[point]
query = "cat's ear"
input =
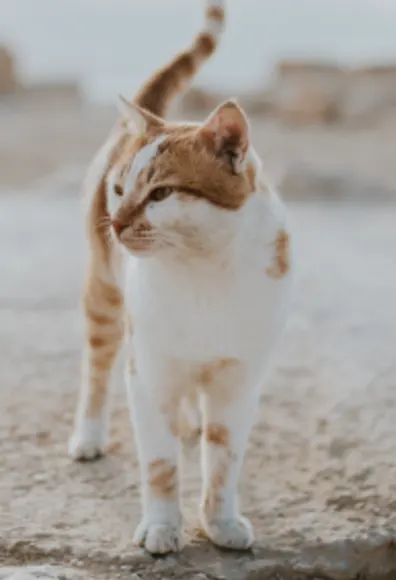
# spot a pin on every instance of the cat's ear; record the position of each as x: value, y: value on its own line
x: 228, y: 130
x: 138, y: 120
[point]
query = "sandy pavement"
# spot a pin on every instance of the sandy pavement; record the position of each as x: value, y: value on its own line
x: 320, y: 475
x: 319, y: 482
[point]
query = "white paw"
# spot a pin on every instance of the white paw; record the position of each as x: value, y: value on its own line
x: 235, y: 534
x: 159, y: 538
x: 88, y: 441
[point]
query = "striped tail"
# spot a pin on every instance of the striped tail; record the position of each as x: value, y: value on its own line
x: 166, y: 83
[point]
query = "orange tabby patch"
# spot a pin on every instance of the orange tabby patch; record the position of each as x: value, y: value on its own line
x: 217, y: 435
x: 215, y: 13
x: 210, y: 371
x: 160, y: 89
x: 221, y: 378
x: 162, y: 478
x: 97, y: 397
x: 213, y: 499
x: 112, y: 295
x: 102, y: 361
x: 281, y: 261
x: 187, y: 433
x: 101, y: 319
x: 103, y: 307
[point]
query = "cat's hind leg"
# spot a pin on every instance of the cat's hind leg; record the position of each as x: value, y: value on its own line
x: 104, y: 318
x: 103, y: 335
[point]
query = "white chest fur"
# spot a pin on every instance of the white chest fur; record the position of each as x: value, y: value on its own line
x: 229, y: 308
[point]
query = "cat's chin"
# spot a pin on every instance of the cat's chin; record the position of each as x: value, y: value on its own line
x: 141, y: 250
x: 141, y: 253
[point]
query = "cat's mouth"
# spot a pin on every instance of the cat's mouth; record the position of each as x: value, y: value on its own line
x: 139, y: 244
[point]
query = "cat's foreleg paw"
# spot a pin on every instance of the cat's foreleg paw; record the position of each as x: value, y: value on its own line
x: 159, y: 538
x: 233, y: 533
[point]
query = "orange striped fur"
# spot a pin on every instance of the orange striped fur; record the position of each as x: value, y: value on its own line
x: 103, y: 295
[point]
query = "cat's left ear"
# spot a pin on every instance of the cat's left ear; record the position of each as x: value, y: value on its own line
x: 228, y: 129
x: 138, y: 120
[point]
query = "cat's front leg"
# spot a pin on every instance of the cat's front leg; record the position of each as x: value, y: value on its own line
x: 160, y: 530
x: 227, y: 424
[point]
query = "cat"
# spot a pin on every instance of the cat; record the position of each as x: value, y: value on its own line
x: 189, y: 269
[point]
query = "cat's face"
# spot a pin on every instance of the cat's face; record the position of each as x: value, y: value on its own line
x: 181, y: 188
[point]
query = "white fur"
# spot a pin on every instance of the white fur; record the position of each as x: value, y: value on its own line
x: 136, y: 122
x: 232, y: 298
x: 160, y: 527
x: 189, y: 309
x: 89, y: 438
x: 142, y: 159
x: 113, y: 200
x: 241, y: 164
x: 214, y: 27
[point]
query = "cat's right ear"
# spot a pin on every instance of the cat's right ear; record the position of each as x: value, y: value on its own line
x: 138, y: 120
x: 227, y: 128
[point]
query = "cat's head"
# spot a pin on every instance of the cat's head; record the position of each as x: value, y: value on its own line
x: 181, y: 188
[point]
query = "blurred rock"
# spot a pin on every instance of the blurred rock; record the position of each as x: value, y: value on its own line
x: 310, y: 105
x: 300, y: 182
x: 64, y: 180
x: 199, y: 100
x: 8, y: 81
x: 369, y: 93
x: 257, y: 103
x: 308, y: 92
x: 53, y: 93
x: 304, y: 92
x: 292, y: 75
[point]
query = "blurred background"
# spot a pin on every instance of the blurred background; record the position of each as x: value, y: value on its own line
x: 318, y: 81
x: 320, y: 68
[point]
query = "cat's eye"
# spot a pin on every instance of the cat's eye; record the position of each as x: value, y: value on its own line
x: 118, y: 189
x: 160, y: 193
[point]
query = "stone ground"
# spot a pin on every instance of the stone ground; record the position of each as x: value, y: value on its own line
x: 319, y: 482
x: 320, y: 476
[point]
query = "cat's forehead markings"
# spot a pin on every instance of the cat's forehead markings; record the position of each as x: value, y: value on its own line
x: 142, y: 159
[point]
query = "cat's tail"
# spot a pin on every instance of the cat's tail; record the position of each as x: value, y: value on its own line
x: 166, y: 83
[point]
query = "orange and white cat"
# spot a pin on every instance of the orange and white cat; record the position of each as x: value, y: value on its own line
x: 188, y: 266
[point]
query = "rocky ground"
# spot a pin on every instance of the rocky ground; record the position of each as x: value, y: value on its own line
x: 320, y: 476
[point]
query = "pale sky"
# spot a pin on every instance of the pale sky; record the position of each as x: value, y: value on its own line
x: 118, y: 42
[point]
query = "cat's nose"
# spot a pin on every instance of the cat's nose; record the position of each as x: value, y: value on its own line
x: 118, y: 227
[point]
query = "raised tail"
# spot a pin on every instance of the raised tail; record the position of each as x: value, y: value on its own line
x: 166, y: 83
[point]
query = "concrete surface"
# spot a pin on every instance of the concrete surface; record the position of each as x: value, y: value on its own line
x: 320, y: 475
